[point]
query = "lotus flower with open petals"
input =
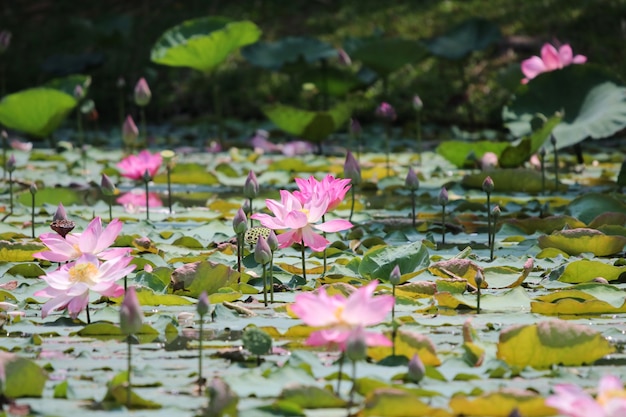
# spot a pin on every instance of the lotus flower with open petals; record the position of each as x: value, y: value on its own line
x: 134, y: 166
x: 551, y: 59
x: 334, y: 188
x: 572, y: 401
x: 338, y: 316
x: 93, y: 240
x: 69, y: 286
x: 301, y: 219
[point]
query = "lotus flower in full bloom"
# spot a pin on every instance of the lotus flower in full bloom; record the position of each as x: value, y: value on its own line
x: 572, y: 401
x: 94, y: 240
x: 135, y: 166
x: 69, y: 286
x: 338, y: 316
x: 551, y: 59
x: 137, y: 198
x: 334, y: 188
x: 301, y: 218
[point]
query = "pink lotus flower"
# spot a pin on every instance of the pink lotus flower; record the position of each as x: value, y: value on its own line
x: 338, y: 316
x: 134, y: 166
x: 69, y: 285
x: 334, y: 188
x: 572, y: 401
x: 137, y: 198
x: 93, y: 241
x: 551, y: 59
x: 301, y: 218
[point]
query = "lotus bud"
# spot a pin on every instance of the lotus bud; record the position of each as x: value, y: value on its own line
x: 411, y: 181
x: 495, y: 212
x: 351, y: 169
x: 121, y: 82
x: 488, y: 161
x: 251, y: 186
x: 222, y: 400
x: 60, y: 223
x: 553, y: 140
x: 272, y: 241
x: 479, y: 279
x: 356, y: 346
x: 344, y: 58
x: 79, y: 93
x: 33, y: 188
x: 488, y: 185
x: 11, y: 163
x: 443, y: 196
x: 60, y: 214
x: 131, y: 316
x: 542, y: 152
x: 203, y: 304
x: 130, y: 132
x: 107, y: 186
x: 417, y: 103
x: 142, y: 93
x: 386, y: 111
x: 5, y: 40
x: 355, y: 127
x: 262, y: 251
x: 146, y: 176
x: 395, y: 275
x: 417, y: 370
x: 240, y: 222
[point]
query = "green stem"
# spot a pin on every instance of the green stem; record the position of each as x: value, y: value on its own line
x: 352, y: 204
x: 147, y: 201
x: 478, y: 300
x: 87, y: 311
x: 250, y: 212
x: 201, y: 336
x: 489, y: 219
x: 110, y: 200
x: 342, y: 359
x: 32, y: 215
x: 393, y: 322
x: 443, y: 224
x: 324, y: 234
x: 129, y: 386
x: 543, y: 174
x: 353, y: 389
x: 10, y: 192
x: 169, y: 187
x: 413, y: 207
x: 264, y: 285
x: 418, y: 123
x: 239, y: 250
x: 271, y: 278
x: 303, y: 260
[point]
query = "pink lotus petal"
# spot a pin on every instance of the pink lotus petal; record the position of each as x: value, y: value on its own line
x: 335, y: 225
x: 313, y: 240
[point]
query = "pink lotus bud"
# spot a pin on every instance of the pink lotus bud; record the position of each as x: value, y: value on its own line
x: 5, y: 40
x: 272, y: 241
x: 129, y: 131
x: 107, y: 186
x: 488, y: 185
x: 394, y: 277
x: 386, y: 111
x: 351, y: 169
x: 251, y: 186
x: 417, y: 103
x: 355, y: 127
x: 142, y: 93
x: 60, y: 214
x: 488, y: 161
x: 60, y: 222
x: 443, y: 196
x: 479, y: 279
x: 131, y: 316
x: 411, y: 181
x: 356, y: 346
x: 496, y: 212
x: 262, y: 251
x: 344, y: 58
x: 11, y: 163
x: 203, y: 304
x: 33, y: 188
x: 79, y: 92
x: 417, y: 370
x: 240, y: 222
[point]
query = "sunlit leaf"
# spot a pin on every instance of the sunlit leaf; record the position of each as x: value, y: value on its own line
x: 407, y: 344
x: 581, y: 240
x: 550, y: 343
x: 586, y: 270
x: 514, y: 300
x: 23, y: 377
x: 311, y: 397
x: 310, y: 125
x: 391, y: 402
x: 195, y: 278
x: 18, y: 251
x: 458, y: 269
x: 501, y: 404
x: 457, y: 151
x: 378, y: 263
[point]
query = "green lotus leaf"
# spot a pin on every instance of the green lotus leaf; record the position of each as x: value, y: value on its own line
x: 515, y: 155
x: 511, y: 179
x: 306, y: 124
x: 68, y: 84
x: 593, y: 103
x: 581, y: 240
x: 22, y: 377
x: 545, y: 224
x: 194, y: 278
x: 589, y: 206
x: 203, y: 43
x: 307, y: 396
x: 289, y: 50
x: 377, y: 263
x: 515, y: 299
x: 550, y: 343
x: 385, y: 56
x: 457, y: 151
x: 586, y: 270
x: 393, y: 402
x: 501, y: 404
x: 474, y: 34
x: 36, y: 111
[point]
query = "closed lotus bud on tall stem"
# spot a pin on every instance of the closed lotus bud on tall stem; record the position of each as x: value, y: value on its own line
x: 263, y: 255
x: 202, y: 308
x: 142, y: 98
x: 413, y: 184
x: 495, y: 214
x: 443, y: 201
x: 352, y: 171
x: 130, y: 133
x: 479, y: 282
x: 10, y: 168
x: 108, y: 190
x: 488, y: 187
x: 250, y: 191
x: 418, y: 106
x: 131, y: 321
x: 240, y: 225
x: 168, y: 158
x: 146, y: 180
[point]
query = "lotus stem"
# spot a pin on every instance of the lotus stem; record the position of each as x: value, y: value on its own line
x: 146, y: 182
x: 488, y: 219
x: 418, y: 123
x: 443, y: 224
x: 342, y: 359
x: 387, y: 146
x: 10, y: 192
x: 250, y: 212
x: 351, y: 204
x: 303, y: 260
x: 88, y: 316
x: 129, y: 386
x: 200, y: 337
x: 169, y: 187
x: 240, y: 237
x: 264, y: 285
x: 556, y: 164
x: 353, y: 389
x: 271, y: 278
x: 394, y: 330
x: 478, y: 294
x: 324, y: 234
x: 413, y: 207
x: 32, y: 214
x: 110, y: 201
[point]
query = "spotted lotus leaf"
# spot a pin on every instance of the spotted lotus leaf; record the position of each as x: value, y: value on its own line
x: 252, y: 234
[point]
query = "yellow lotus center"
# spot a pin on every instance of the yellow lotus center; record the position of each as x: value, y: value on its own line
x: 607, y: 396
x: 338, y: 313
x: 83, y: 273
x: 305, y: 211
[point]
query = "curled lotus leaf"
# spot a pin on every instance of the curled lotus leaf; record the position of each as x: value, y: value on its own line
x: 581, y: 240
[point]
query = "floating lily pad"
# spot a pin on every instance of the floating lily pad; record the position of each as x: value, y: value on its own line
x: 511, y: 180
x: 586, y: 270
x: 36, y: 111
x: 392, y: 402
x: 385, y: 56
x: 590, y: 298
x: 377, y: 263
x: 289, y: 50
x: 551, y: 343
x: 203, y: 43
x: 474, y: 34
x: 501, y: 404
x: 581, y: 240
x: 310, y: 125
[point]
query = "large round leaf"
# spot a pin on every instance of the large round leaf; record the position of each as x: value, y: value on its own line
x: 310, y: 125
x: 333, y: 81
x: 289, y: 50
x: 388, y: 55
x: 68, y: 84
x: 594, y: 105
x: 37, y: 111
x: 471, y: 35
x: 203, y: 43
